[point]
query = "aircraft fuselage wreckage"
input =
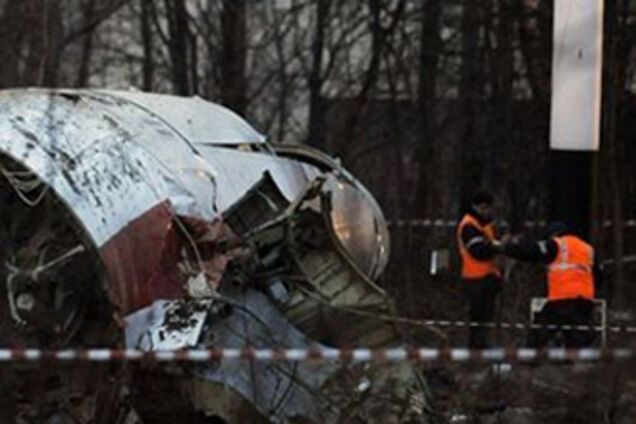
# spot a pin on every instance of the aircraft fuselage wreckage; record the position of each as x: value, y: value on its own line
x: 160, y: 223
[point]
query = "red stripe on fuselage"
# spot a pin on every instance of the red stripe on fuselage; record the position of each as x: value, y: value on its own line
x: 141, y: 260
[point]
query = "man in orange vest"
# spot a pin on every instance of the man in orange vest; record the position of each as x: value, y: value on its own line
x: 573, y: 272
x: 481, y: 278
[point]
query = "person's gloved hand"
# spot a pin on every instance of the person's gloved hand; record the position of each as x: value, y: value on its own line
x: 497, y: 245
x: 506, y: 240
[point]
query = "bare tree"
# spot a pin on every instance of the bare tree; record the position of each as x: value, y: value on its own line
x: 87, y: 46
x: 181, y: 49
x: 317, y: 104
x: 147, y: 38
x: 429, y: 145
x: 234, y: 51
x: 11, y: 42
x: 470, y: 94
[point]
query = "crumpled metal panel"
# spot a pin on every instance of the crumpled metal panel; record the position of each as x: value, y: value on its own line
x: 110, y: 160
x: 238, y: 171
x: 278, y: 389
x: 197, y: 120
x: 167, y: 325
x: 188, y: 178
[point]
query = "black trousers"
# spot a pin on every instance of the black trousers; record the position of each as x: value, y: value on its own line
x: 482, y: 301
x: 575, y: 312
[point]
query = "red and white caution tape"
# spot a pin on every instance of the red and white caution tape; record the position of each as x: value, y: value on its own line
x: 317, y: 355
x: 422, y: 223
x: 523, y: 326
x: 453, y: 223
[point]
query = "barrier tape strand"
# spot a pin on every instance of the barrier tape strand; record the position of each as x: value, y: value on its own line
x: 453, y: 223
x: 525, y: 326
x: 317, y: 355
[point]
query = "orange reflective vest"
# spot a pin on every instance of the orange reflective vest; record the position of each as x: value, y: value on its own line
x: 570, y: 274
x: 471, y: 267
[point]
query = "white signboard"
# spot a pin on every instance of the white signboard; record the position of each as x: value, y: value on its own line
x: 576, y: 75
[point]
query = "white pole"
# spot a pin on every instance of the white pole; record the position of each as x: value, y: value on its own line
x: 576, y: 75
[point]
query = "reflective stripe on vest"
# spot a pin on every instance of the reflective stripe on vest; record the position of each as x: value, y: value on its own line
x: 471, y: 267
x: 570, y: 275
x: 563, y: 267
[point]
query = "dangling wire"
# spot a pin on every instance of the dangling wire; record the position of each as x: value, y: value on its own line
x: 80, y: 248
x: 23, y: 186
